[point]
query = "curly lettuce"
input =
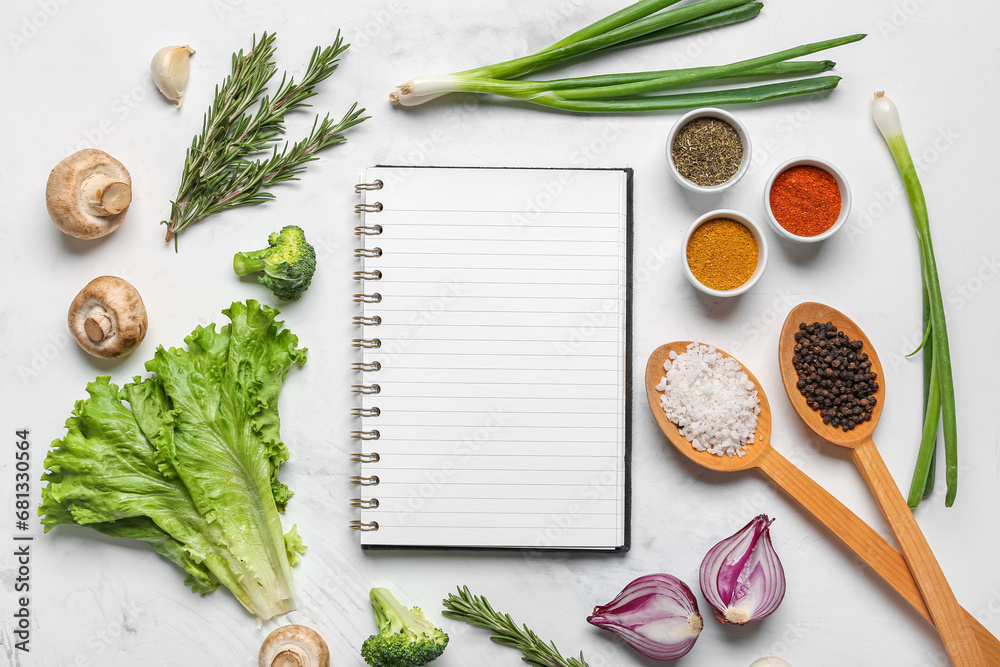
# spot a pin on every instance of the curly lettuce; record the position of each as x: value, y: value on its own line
x: 191, y: 465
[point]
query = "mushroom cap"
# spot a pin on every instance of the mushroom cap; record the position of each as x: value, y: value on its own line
x: 294, y: 646
x: 67, y: 202
x: 108, y: 318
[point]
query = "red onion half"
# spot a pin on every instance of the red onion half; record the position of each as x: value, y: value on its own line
x: 741, y: 577
x: 656, y: 614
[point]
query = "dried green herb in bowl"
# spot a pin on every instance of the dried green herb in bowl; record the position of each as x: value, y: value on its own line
x: 708, y: 150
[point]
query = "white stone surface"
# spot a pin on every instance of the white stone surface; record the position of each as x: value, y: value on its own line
x: 76, y: 74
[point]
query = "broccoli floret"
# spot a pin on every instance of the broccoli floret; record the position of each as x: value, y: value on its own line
x: 405, y: 638
x: 288, y: 263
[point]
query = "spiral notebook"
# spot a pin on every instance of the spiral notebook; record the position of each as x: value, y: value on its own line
x: 493, y: 339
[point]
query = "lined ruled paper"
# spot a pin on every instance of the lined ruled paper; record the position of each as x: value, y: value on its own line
x: 501, y: 382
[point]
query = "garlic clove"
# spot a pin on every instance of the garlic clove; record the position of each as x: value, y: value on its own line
x: 170, y: 69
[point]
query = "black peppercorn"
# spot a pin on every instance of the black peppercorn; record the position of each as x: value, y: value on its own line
x: 835, y: 376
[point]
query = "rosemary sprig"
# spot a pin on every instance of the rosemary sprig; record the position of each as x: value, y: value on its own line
x: 476, y: 610
x: 219, y: 172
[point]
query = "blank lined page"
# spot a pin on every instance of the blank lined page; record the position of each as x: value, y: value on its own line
x: 501, y: 359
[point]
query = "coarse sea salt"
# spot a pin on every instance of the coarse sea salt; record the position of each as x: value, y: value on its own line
x: 711, y: 400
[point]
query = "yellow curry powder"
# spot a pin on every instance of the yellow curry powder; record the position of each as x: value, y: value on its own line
x: 722, y: 254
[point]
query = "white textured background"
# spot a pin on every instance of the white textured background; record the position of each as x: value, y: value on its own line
x: 75, y: 74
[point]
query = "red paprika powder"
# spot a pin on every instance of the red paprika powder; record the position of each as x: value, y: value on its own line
x: 805, y: 200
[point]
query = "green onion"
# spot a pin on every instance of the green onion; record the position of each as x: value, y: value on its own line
x: 929, y: 379
x: 776, y: 70
x: 638, y: 23
x: 940, y: 397
x: 639, y: 28
x: 717, y: 20
x: 633, y: 12
x: 675, y: 78
x: 630, y: 84
x: 749, y: 95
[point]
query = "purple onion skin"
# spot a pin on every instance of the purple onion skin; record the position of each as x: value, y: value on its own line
x: 741, y: 576
x: 660, y: 599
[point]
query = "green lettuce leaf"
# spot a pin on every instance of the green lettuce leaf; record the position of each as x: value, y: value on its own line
x: 192, y: 467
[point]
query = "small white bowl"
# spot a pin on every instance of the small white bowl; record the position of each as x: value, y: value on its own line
x: 758, y: 235
x: 845, y: 198
x: 710, y: 112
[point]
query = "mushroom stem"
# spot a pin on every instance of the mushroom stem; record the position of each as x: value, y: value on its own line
x: 287, y: 658
x: 105, y: 195
x: 107, y: 317
x: 99, y: 326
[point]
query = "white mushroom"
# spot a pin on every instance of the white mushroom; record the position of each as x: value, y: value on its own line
x: 294, y: 646
x: 108, y: 318
x: 88, y: 194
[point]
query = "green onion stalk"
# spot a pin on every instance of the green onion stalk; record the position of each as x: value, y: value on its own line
x: 638, y: 23
x: 939, y: 389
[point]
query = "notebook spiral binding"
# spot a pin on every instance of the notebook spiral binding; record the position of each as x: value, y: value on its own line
x: 366, y: 320
x: 364, y: 525
x: 370, y: 366
x: 374, y: 185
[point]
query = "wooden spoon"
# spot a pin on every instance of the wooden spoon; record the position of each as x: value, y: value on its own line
x: 945, y: 611
x: 857, y: 535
